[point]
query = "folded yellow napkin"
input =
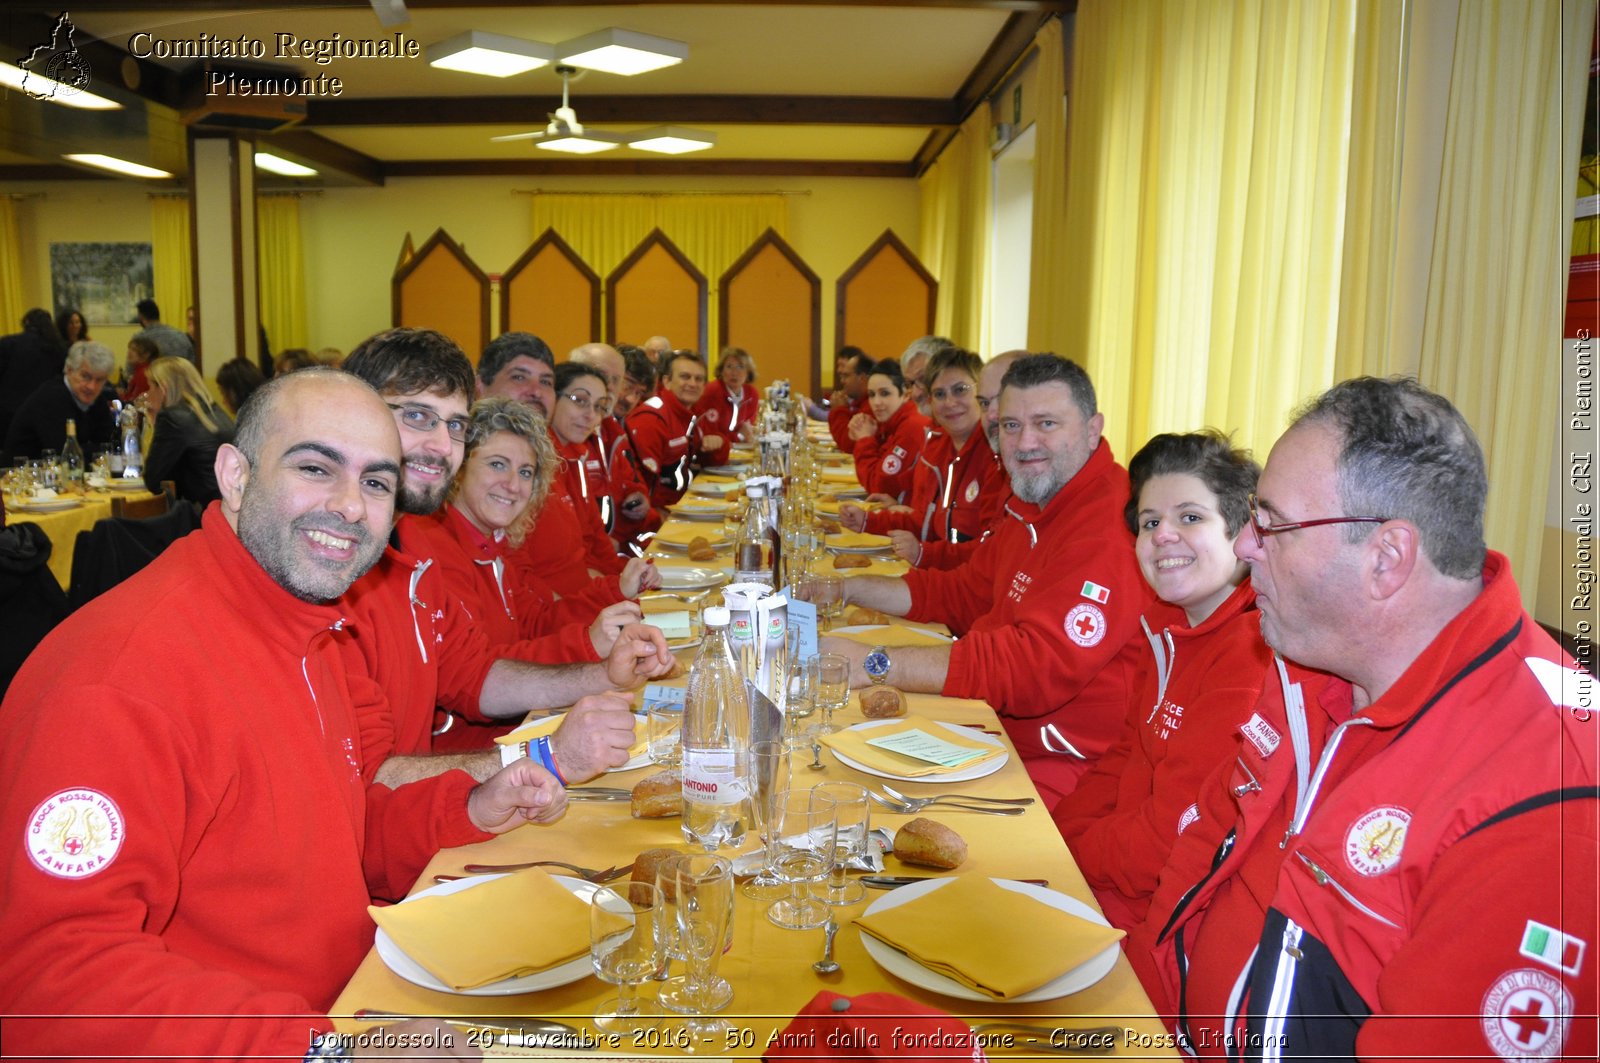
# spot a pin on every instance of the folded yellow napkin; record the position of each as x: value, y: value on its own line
x: 715, y: 478
x: 704, y: 505
x: 505, y: 928
x: 546, y: 725
x: 843, y: 475
x: 830, y: 506
x: 851, y: 540
x: 853, y: 744
x: 892, y: 635
x: 679, y: 532
x: 1008, y: 943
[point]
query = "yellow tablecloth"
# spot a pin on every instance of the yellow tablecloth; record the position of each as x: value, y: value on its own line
x: 63, y: 527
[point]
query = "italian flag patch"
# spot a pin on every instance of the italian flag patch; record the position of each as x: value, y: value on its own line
x: 1095, y: 593
x: 1551, y: 947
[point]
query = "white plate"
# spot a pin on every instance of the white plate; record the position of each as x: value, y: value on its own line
x: 977, y: 771
x: 738, y: 472
x: 729, y: 491
x: 904, y: 967
x: 695, y: 513
x: 674, y: 578
x: 845, y: 493
x: 412, y: 971
x: 886, y: 549
x: 889, y: 630
x: 52, y: 505
x: 722, y: 543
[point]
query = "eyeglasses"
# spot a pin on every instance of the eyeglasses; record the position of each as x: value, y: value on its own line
x: 422, y: 419
x: 1262, y: 529
x: 584, y: 403
x: 957, y: 391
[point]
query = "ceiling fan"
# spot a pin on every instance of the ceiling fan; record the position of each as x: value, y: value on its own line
x: 565, y: 133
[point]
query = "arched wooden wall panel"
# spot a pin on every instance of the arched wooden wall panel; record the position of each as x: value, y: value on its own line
x: 551, y: 292
x: 884, y: 300
x: 442, y: 289
x: 770, y: 303
x: 656, y: 291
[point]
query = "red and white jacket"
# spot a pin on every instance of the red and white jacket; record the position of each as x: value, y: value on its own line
x: 666, y: 439
x: 886, y: 460
x: 839, y: 423
x: 1199, y: 684
x: 612, y: 465
x: 721, y: 416
x: 191, y: 837
x: 1048, y: 612
x: 955, y: 498
x: 1414, y: 879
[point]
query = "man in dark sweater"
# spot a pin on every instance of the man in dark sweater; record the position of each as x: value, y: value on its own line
x: 81, y: 395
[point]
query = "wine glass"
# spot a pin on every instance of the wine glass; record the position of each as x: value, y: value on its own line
x: 828, y: 593
x: 854, y: 819
x: 769, y: 770
x: 830, y: 680
x: 804, y: 826
x: 704, y: 907
x: 627, y: 944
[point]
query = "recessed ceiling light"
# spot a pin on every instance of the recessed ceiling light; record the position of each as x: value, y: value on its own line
x: 620, y: 51
x: 672, y: 140
x: 490, y: 54
x: 45, y: 88
x: 586, y: 143
x: 273, y: 164
x: 108, y: 162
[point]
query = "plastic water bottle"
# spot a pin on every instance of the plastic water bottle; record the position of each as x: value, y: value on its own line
x: 716, y: 744
x: 752, y: 550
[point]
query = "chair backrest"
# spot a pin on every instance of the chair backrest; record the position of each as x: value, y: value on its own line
x: 143, y: 508
x: 114, y: 549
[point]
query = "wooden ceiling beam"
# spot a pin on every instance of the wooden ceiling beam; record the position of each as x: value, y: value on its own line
x: 53, y: 7
x: 535, y: 167
x: 325, y: 153
x: 726, y: 110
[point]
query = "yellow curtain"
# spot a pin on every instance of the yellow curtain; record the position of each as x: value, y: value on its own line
x: 711, y: 229
x: 170, y: 257
x: 956, y: 217
x: 11, y: 305
x: 280, y: 271
x: 1048, y: 328
x: 1492, y: 332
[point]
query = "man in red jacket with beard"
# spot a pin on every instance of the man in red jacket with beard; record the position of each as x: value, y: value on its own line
x: 190, y: 835
x: 1048, y: 606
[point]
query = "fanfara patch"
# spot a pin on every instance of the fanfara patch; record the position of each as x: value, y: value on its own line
x: 1188, y: 818
x: 1261, y: 734
x: 891, y: 464
x: 74, y: 833
x: 972, y: 491
x: 1086, y: 624
x: 1373, y: 843
x: 1525, y: 1015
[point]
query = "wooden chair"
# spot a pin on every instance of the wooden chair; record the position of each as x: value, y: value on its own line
x: 144, y: 508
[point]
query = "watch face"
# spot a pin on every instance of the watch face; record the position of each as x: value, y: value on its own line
x: 876, y: 664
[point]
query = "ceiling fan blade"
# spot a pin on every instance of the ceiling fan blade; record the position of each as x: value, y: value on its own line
x: 520, y: 136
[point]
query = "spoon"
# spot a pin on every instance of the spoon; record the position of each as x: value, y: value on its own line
x: 816, y: 757
x: 827, y: 965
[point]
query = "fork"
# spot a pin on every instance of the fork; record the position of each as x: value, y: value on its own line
x: 918, y: 802
x: 608, y: 874
x: 903, y: 807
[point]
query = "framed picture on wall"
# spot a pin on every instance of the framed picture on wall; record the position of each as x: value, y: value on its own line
x: 102, y: 281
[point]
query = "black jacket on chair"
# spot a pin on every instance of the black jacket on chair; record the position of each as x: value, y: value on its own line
x: 114, y: 549
x: 31, y: 601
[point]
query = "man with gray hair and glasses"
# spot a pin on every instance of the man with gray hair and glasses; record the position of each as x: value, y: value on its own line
x: 80, y: 396
x: 1401, y: 859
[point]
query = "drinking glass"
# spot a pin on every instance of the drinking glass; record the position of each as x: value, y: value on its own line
x: 769, y: 769
x: 627, y: 944
x: 830, y: 679
x: 829, y: 595
x: 804, y: 824
x: 704, y: 909
x: 666, y: 734
x: 800, y: 697
x: 854, y: 818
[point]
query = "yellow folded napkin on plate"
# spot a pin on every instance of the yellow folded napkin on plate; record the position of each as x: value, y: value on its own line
x: 850, y: 540
x: 546, y: 725
x: 852, y: 742
x: 715, y: 478
x: 504, y: 928
x: 830, y: 506
x: 704, y: 505
x: 892, y: 635
x: 843, y: 475
x: 679, y: 532
x: 1008, y: 944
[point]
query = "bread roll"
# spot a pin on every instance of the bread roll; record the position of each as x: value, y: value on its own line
x: 851, y: 561
x: 658, y: 796
x: 882, y: 703
x: 700, y: 549
x: 931, y: 844
x: 861, y: 616
x: 645, y: 865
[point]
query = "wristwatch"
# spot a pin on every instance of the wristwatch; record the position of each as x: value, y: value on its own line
x: 330, y: 1046
x: 877, y: 665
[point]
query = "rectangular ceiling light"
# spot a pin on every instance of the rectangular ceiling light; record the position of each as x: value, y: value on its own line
x: 273, y: 164
x: 620, y: 51
x: 587, y: 143
x: 108, y: 162
x: 54, y: 91
x: 490, y: 54
x: 672, y: 140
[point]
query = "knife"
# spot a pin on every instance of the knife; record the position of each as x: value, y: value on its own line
x: 516, y: 1030
x: 889, y: 882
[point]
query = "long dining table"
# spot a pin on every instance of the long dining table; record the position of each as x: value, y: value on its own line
x: 62, y: 525
x: 769, y: 968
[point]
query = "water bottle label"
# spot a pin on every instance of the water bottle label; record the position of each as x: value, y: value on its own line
x: 711, y: 777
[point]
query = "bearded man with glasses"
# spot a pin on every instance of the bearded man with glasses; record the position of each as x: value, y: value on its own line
x: 1400, y: 861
